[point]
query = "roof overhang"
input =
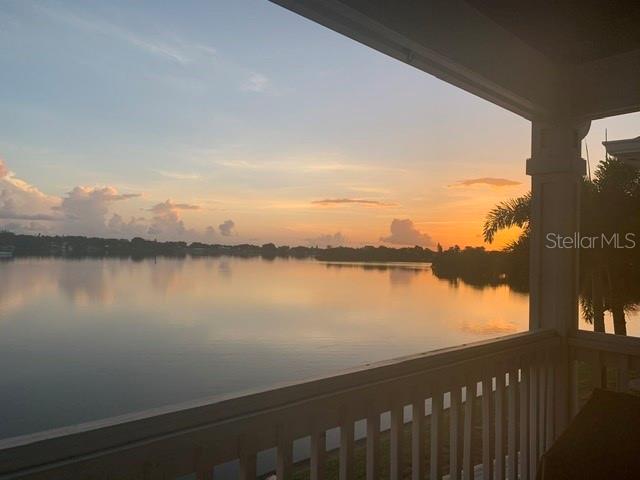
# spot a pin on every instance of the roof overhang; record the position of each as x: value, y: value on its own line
x: 470, y: 45
x: 626, y: 150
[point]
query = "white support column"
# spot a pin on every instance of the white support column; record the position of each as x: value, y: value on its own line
x: 556, y: 169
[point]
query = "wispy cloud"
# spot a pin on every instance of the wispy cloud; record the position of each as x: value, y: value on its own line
x: 169, y: 206
x: 179, y: 175
x: 492, y: 181
x: 175, y: 49
x: 257, y: 82
x: 356, y: 201
x: 368, y: 189
x: 304, y: 165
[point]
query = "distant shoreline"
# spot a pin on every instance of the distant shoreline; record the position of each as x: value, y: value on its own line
x: 20, y: 245
x: 473, y: 265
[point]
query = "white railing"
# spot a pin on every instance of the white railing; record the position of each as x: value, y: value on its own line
x: 478, y: 410
x: 600, y: 360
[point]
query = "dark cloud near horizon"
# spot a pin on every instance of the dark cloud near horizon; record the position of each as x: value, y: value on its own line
x: 226, y: 228
x: 492, y: 181
x: 404, y: 232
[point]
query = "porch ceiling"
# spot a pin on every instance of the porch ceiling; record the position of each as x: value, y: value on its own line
x: 537, y: 59
x: 570, y: 32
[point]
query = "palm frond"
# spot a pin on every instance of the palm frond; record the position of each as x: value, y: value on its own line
x: 511, y: 213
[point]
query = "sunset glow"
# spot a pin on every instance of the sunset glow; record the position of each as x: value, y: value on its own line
x: 187, y: 123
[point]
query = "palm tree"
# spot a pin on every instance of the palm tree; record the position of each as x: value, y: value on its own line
x: 512, y: 213
x: 610, y: 278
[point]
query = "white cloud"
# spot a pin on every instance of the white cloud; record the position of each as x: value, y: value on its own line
x: 404, y: 232
x: 166, y: 222
x: 85, y: 209
x: 20, y: 200
x: 256, y: 82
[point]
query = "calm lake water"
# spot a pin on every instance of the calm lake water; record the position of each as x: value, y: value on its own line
x: 92, y: 338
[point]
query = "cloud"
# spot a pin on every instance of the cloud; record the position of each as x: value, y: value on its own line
x: 357, y: 201
x: 334, y: 240
x: 174, y: 49
x: 166, y: 221
x: 494, y: 182
x: 85, y: 208
x: 135, y: 227
x: 8, y: 210
x: 304, y: 165
x: 169, y: 206
x: 179, y: 175
x: 87, y: 211
x: 20, y: 200
x: 404, y: 232
x: 256, y: 82
x: 226, y: 228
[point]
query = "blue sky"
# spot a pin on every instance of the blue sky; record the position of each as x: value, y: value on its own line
x: 179, y: 116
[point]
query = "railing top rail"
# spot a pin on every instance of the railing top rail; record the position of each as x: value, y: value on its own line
x: 606, y: 342
x: 117, y: 432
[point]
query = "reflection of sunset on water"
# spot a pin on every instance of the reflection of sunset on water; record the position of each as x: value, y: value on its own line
x: 118, y: 335
x: 491, y: 327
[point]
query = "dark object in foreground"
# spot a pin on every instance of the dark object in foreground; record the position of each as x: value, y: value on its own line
x: 601, y: 442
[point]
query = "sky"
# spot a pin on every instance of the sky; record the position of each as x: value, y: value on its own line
x: 238, y: 121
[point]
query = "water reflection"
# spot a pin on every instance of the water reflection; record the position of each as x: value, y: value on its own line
x: 496, y: 326
x: 98, y: 337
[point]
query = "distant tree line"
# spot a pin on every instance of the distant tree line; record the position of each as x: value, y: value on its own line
x: 79, y: 246
x: 375, y: 254
x: 478, y: 267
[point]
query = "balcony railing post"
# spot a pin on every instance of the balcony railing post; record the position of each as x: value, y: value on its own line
x: 556, y: 169
x: 373, y: 446
x: 436, y: 437
x: 318, y: 454
x: 396, y: 433
x: 418, y: 439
